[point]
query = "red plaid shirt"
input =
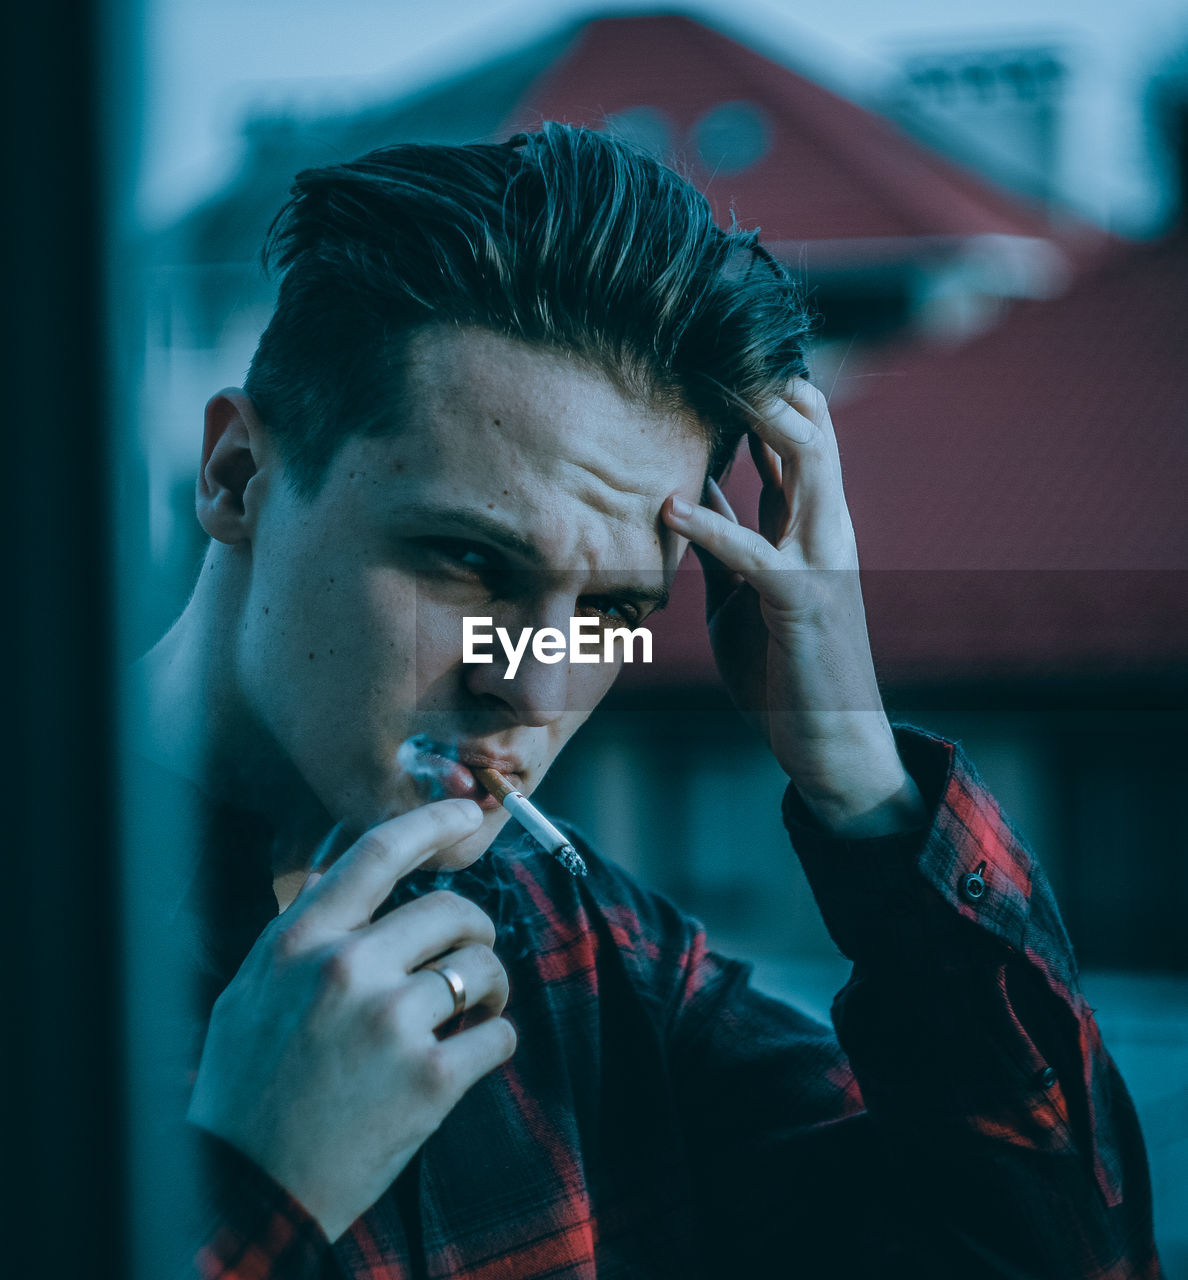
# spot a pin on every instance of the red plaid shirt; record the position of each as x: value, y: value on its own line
x: 661, y: 1118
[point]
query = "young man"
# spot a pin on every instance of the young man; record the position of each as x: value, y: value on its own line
x: 500, y: 382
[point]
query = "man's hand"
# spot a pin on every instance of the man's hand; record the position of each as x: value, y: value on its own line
x: 788, y: 627
x: 322, y: 1063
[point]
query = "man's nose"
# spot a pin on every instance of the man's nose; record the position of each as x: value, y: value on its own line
x: 538, y: 693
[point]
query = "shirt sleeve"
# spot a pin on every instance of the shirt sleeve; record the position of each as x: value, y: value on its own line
x: 967, y: 1117
x: 248, y: 1227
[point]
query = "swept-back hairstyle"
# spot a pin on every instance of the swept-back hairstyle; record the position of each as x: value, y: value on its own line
x: 567, y: 239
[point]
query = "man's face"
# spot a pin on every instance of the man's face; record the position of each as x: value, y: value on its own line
x: 520, y: 486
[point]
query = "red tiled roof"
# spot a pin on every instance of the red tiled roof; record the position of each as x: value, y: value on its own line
x: 832, y: 170
x: 1057, y: 440
x: 1019, y: 500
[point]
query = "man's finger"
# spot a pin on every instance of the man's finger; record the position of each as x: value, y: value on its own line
x: 428, y: 927
x: 809, y: 401
x: 719, y: 502
x: 336, y: 843
x: 807, y: 451
x: 349, y: 893
x: 788, y: 433
x: 777, y: 476
x: 484, y: 984
x: 767, y: 462
x: 468, y: 1056
x: 719, y: 581
x: 308, y: 883
x: 740, y: 550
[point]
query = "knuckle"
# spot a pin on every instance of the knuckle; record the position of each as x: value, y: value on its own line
x: 492, y: 969
x: 445, y: 906
x: 803, y: 390
x: 372, y: 847
x: 484, y: 926
x: 753, y: 544
x: 340, y: 968
x: 442, y: 816
x: 462, y: 915
x: 445, y: 820
x: 506, y: 1041
x: 444, y: 900
x: 432, y: 1074
x: 500, y: 994
x: 291, y: 940
x: 388, y: 1018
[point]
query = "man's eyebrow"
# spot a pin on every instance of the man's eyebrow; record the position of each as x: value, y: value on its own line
x: 467, y: 520
x: 482, y: 526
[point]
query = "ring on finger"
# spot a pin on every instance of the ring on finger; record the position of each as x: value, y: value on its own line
x: 457, y: 987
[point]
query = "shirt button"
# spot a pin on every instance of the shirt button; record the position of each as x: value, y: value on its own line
x: 972, y: 886
x: 1046, y: 1078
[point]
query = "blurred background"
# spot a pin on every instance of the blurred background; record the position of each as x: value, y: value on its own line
x: 986, y: 208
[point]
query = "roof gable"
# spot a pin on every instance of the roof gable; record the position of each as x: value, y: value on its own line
x: 790, y: 155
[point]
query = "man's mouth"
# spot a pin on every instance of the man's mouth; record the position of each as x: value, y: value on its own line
x: 456, y: 769
x: 439, y: 776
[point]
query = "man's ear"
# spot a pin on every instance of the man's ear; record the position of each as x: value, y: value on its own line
x: 232, y: 443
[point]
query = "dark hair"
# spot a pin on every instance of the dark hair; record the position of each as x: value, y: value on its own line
x: 566, y: 238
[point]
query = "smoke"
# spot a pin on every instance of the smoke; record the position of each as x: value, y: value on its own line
x: 491, y: 882
x: 425, y: 760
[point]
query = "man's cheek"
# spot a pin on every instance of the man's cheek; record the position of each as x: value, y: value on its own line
x: 436, y: 640
x: 588, y: 684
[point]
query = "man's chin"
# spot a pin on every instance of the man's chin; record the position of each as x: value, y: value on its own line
x: 457, y: 857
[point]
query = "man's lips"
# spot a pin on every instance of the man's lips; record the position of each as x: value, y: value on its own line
x: 456, y: 779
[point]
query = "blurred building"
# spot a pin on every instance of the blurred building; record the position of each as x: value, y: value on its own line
x: 999, y: 108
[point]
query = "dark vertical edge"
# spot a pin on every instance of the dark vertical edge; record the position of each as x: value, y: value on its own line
x: 63, y: 1030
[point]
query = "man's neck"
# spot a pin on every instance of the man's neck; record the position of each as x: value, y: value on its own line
x: 195, y: 722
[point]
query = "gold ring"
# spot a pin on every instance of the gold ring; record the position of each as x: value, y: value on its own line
x: 456, y: 985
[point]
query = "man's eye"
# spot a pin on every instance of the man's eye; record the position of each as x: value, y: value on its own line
x: 615, y: 611
x: 473, y: 559
x: 464, y: 554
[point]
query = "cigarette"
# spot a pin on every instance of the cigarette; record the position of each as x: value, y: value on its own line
x: 532, y: 820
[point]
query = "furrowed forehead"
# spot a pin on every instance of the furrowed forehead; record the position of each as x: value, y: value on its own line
x: 481, y: 399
